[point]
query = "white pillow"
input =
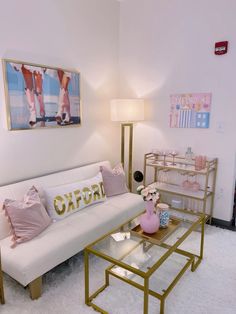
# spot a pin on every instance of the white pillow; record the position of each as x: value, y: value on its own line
x: 64, y: 200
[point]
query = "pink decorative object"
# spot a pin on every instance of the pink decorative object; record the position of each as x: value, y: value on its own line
x: 200, y: 162
x: 186, y: 184
x: 204, y: 159
x: 149, y: 222
x: 195, y: 186
x: 27, y: 218
x: 114, y: 180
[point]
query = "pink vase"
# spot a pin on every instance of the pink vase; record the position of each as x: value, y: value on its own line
x: 149, y: 222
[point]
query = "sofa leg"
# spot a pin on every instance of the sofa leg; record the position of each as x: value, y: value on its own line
x: 2, y: 299
x: 35, y: 288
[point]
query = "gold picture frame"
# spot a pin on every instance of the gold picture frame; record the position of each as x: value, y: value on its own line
x: 40, y: 96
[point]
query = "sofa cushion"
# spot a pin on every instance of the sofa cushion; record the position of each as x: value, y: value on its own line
x: 67, y: 237
x: 27, y: 217
x: 114, y: 180
x: 64, y: 200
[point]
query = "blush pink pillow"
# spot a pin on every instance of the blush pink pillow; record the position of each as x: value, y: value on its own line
x: 114, y: 180
x: 27, y: 218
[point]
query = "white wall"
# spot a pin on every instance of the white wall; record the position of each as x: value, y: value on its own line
x: 167, y: 47
x: 77, y: 34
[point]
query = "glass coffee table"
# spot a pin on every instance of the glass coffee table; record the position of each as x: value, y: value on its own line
x: 151, y: 263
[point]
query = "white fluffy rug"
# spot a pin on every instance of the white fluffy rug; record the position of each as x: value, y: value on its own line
x: 211, y: 289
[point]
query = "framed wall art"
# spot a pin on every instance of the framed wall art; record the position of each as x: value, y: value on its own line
x: 39, y: 96
x: 190, y: 110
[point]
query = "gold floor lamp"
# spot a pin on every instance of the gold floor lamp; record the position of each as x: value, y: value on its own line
x: 127, y: 111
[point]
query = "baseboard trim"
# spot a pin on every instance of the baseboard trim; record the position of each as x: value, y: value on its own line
x: 223, y: 224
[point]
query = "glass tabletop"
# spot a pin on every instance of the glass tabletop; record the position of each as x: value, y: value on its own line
x: 139, y: 253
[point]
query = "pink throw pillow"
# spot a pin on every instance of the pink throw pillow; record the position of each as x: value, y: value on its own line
x: 27, y: 218
x: 114, y: 180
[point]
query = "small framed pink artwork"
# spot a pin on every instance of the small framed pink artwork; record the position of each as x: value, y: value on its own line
x: 190, y: 110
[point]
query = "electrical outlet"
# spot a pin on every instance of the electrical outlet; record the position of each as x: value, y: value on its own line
x: 220, y: 127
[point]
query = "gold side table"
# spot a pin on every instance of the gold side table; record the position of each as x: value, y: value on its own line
x: 2, y: 300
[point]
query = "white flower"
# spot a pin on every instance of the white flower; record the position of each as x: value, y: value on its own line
x: 155, y: 197
x: 145, y: 192
x: 152, y: 190
x: 140, y: 188
x: 149, y: 193
x: 149, y: 197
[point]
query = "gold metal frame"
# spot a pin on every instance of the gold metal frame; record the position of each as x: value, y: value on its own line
x: 193, y: 260
x: 211, y: 167
x: 7, y: 100
x: 2, y: 299
x: 130, y: 150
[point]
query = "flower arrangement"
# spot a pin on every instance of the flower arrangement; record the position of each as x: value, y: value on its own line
x: 149, y: 193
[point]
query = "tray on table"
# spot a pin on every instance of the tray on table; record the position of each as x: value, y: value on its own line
x: 159, y: 236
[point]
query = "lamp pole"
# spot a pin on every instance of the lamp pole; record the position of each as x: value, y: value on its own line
x: 130, y: 150
x: 127, y: 111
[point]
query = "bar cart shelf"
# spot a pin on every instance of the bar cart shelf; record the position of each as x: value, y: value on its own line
x: 169, y: 175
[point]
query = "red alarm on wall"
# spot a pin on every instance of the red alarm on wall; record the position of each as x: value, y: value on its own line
x: 221, y: 47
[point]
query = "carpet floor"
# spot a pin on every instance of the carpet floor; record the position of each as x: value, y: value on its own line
x: 211, y: 289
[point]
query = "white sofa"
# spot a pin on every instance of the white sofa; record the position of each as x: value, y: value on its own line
x: 27, y: 262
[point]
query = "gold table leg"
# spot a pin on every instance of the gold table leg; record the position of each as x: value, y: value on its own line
x: 88, y: 297
x: 195, y: 264
x: 86, y: 276
x: 162, y: 306
x: 107, y: 281
x: 146, y: 294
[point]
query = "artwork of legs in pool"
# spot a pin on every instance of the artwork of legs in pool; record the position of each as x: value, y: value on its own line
x: 39, y: 96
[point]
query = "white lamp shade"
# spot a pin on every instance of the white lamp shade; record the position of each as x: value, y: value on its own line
x: 125, y: 110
